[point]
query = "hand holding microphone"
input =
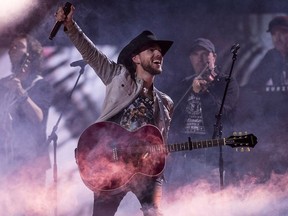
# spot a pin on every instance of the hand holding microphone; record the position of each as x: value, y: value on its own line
x: 63, y: 15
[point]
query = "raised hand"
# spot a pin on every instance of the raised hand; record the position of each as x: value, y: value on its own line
x: 67, y: 20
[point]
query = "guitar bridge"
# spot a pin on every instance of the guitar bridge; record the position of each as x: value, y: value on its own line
x: 115, y: 154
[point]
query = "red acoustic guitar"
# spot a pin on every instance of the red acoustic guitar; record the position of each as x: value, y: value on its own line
x: 109, y: 156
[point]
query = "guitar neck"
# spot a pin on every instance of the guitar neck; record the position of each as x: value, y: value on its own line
x: 188, y: 146
x: 191, y: 145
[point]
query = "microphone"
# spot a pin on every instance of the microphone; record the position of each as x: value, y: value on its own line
x: 235, y: 48
x: 80, y: 63
x: 58, y: 24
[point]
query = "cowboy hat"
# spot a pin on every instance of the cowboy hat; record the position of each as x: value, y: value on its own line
x: 135, y: 46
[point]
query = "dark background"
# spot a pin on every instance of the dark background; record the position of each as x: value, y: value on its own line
x: 115, y: 23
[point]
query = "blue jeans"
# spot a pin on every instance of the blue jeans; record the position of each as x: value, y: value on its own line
x: 148, y: 190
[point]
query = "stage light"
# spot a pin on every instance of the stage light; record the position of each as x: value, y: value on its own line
x: 12, y: 12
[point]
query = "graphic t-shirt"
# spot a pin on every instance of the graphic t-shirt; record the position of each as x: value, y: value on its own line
x: 137, y: 114
x: 193, y: 116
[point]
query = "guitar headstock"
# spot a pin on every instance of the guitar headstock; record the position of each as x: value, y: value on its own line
x: 241, y: 141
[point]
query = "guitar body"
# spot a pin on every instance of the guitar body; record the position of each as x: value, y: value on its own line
x: 109, y: 156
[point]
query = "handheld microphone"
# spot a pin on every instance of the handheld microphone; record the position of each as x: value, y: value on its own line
x: 58, y: 24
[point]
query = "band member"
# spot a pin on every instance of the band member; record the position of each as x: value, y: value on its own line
x: 199, y: 100
x: 265, y: 100
x: 271, y: 75
x: 25, y: 100
x: 131, y: 100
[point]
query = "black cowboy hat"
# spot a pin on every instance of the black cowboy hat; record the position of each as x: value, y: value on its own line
x: 138, y: 43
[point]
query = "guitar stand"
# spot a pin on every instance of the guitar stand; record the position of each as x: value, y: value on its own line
x: 53, y: 137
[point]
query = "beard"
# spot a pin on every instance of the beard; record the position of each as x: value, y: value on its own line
x: 151, y: 68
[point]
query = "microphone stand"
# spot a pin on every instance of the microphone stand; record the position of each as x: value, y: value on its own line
x: 217, y: 134
x: 53, y: 137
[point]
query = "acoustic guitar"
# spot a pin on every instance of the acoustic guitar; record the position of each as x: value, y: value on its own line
x: 109, y: 156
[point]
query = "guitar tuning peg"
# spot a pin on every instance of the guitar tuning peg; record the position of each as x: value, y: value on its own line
x: 237, y: 133
x: 240, y: 149
x: 243, y: 149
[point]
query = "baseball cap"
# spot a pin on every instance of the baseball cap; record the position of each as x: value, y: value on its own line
x: 204, y: 43
x: 279, y: 21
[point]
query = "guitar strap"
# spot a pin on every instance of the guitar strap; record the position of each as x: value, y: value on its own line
x: 162, y: 115
x: 34, y: 82
x: 27, y: 89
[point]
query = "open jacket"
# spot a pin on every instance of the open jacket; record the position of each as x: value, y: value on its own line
x: 121, y: 88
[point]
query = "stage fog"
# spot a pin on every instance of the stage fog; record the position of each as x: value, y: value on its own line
x: 259, y: 186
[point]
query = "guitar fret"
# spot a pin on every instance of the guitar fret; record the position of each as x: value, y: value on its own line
x: 214, y: 143
x: 210, y: 143
x: 174, y: 147
x: 182, y: 146
x: 186, y: 146
x: 204, y: 144
x: 197, y: 145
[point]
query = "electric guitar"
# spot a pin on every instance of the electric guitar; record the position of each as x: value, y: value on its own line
x: 109, y: 156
